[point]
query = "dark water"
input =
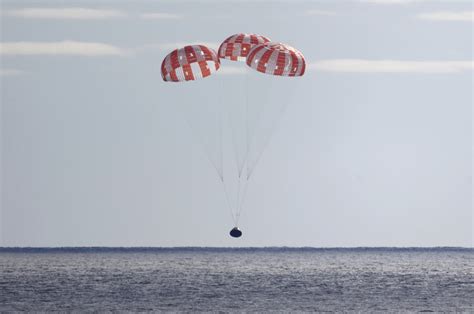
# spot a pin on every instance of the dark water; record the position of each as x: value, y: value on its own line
x: 237, y: 280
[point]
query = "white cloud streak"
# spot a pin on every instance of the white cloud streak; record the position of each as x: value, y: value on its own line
x: 70, y: 48
x: 213, y: 45
x: 160, y: 16
x: 66, y: 13
x: 10, y: 72
x: 391, y: 66
x: 175, y: 45
x: 462, y: 16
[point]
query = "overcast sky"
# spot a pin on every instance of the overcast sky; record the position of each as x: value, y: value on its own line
x: 374, y: 148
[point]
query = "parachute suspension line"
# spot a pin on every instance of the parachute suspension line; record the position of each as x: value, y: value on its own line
x: 246, y: 117
x: 267, y: 141
x: 251, y: 137
x: 247, y: 149
x: 201, y: 142
x: 239, y: 169
x: 248, y: 137
x: 237, y: 201
x: 221, y: 145
x: 234, y: 219
x: 242, y: 199
x: 233, y: 131
x: 247, y: 140
x: 238, y: 192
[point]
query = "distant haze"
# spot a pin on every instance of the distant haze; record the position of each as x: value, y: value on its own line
x: 374, y: 148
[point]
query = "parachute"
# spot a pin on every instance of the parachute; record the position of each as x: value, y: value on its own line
x: 276, y: 59
x: 237, y: 47
x: 189, y: 63
x: 233, y: 113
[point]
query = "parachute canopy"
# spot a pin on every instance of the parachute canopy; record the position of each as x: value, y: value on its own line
x: 189, y: 63
x: 237, y: 47
x: 276, y: 59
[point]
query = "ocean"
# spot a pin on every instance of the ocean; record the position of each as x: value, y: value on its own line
x: 245, y: 279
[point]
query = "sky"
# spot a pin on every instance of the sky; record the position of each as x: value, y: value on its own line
x: 373, y: 148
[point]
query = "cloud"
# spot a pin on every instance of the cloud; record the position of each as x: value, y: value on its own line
x: 391, y: 66
x: 320, y: 12
x: 171, y: 46
x: 464, y: 16
x: 160, y: 16
x: 71, y: 48
x: 175, y: 45
x: 10, y: 72
x: 65, y: 13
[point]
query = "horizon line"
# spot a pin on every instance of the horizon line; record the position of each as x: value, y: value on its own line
x: 222, y: 248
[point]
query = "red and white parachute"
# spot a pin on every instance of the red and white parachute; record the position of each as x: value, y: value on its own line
x: 189, y: 63
x: 244, y: 107
x: 237, y: 47
x: 276, y: 59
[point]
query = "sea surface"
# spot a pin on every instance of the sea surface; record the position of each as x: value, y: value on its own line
x: 213, y: 279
